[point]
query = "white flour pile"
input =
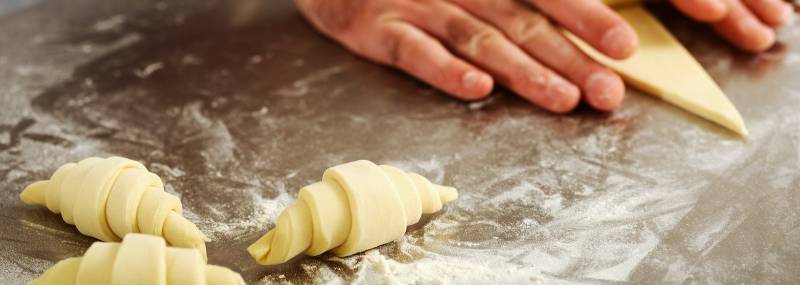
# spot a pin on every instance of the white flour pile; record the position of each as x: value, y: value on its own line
x: 376, y: 268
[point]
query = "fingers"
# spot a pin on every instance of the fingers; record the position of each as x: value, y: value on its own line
x: 602, y: 88
x: 772, y: 12
x: 743, y: 29
x: 490, y: 49
x: 416, y: 53
x: 702, y: 10
x: 595, y: 23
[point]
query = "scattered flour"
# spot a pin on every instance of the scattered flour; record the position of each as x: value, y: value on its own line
x: 148, y: 70
x: 791, y: 58
x: 264, y: 212
x: 303, y: 86
x: 433, y: 168
x: 376, y: 268
x: 110, y: 23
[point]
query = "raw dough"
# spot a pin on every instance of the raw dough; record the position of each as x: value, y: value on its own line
x: 356, y: 206
x: 139, y: 259
x: 663, y: 67
x: 108, y: 198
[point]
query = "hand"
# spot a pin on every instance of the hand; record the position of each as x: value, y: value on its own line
x: 463, y: 46
x: 748, y: 24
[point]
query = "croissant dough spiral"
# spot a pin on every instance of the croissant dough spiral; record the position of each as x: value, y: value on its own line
x: 139, y: 259
x: 356, y: 206
x: 109, y: 198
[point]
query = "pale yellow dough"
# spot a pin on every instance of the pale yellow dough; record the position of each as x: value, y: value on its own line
x: 109, y: 198
x: 356, y: 206
x: 139, y: 259
x: 663, y: 67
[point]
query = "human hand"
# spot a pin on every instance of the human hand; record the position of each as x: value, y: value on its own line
x: 748, y: 24
x: 463, y: 46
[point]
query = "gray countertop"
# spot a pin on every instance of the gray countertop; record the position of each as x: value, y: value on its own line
x: 238, y: 104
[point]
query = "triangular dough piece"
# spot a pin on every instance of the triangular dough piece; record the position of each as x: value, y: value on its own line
x: 663, y: 67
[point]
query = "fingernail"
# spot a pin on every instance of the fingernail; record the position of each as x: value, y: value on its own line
x: 750, y: 26
x: 602, y: 88
x: 760, y: 36
x: 719, y: 7
x: 561, y: 95
x: 788, y: 14
x: 473, y: 80
x: 619, y: 41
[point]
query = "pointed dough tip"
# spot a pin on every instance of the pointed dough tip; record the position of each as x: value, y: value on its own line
x: 732, y: 121
x: 446, y: 194
x: 34, y: 193
x: 260, y: 249
x: 218, y: 275
x: 742, y: 131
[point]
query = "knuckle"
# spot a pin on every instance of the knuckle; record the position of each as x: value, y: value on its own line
x: 481, y: 40
x: 334, y: 16
x: 528, y: 27
x: 400, y: 48
x: 470, y: 36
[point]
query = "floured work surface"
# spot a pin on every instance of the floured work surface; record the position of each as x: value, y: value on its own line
x: 237, y: 111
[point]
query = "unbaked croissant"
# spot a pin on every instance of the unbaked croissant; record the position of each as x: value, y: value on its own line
x: 139, y: 259
x: 356, y: 206
x: 109, y: 198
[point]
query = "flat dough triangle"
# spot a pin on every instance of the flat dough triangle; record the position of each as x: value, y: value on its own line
x: 663, y: 67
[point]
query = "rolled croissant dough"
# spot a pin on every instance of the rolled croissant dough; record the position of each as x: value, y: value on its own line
x: 356, y: 206
x: 139, y: 259
x: 663, y: 67
x: 109, y: 198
